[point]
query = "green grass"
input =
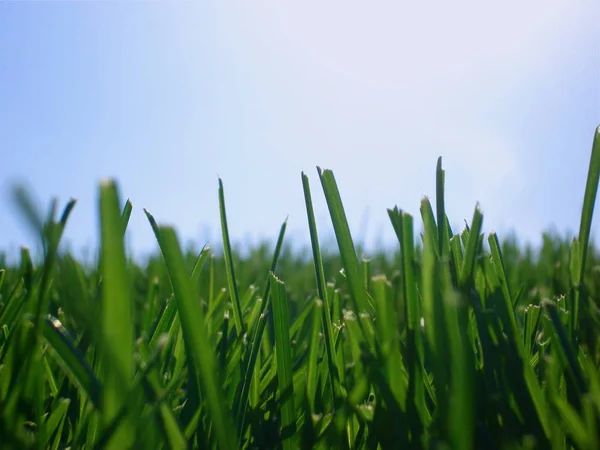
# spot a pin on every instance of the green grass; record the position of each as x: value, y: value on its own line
x: 456, y: 340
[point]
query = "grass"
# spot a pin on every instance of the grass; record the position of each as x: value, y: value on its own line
x: 457, y: 341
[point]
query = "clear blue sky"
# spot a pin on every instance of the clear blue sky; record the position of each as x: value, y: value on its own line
x: 165, y: 96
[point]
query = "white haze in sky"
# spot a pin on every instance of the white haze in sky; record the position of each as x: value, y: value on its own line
x: 167, y: 96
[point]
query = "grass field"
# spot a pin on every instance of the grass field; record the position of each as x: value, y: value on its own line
x: 457, y: 341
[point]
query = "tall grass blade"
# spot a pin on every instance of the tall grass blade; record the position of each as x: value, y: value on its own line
x: 230, y: 270
x: 344, y: 240
x: 321, y: 287
x: 200, y: 350
x: 115, y: 317
x: 284, y: 361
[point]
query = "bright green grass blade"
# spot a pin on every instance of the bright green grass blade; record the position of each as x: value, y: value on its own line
x: 433, y: 316
x: 321, y: 285
x: 230, y: 270
x: 410, y: 285
x: 55, y: 421
x: 456, y: 256
x: 431, y: 233
x: 366, y: 272
x: 198, y: 343
x: 471, y: 247
x: 71, y: 360
x: 115, y: 317
x: 344, y: 240
x: 248, y: 296
x: 591, y: 190
x: 386, y: 325
x: 461, y: 420
x: 165, y: 321
x: 283, y: 350
x: 199, y: 265
x: 574, y: 424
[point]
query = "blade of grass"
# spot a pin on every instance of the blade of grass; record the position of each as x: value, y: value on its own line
x: 321, y: 288
x: 73, y: 362
x: 240, y: 405
x: 116, y: 316
x: 199, y: 348
x: 344, y: 240
x: 230, y: 270
x: 283, y: 351
x: 589, y: 200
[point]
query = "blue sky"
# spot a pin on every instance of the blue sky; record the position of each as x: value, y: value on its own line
x: 166, y: 96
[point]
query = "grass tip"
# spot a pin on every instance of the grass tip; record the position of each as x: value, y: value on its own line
x: 108, y: 183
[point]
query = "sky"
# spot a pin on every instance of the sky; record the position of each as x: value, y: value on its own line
x: 166, y: 97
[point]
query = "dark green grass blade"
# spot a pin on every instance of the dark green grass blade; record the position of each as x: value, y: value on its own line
x: 443, y: 230
x: 501, y: 273
x: 311, y: 372
x: 126, y: 214
x: 591, y: 190
x: 116, y: 316
x: 255, y: 343
x: 571, y: 364
x: 514, y: 336
x: 230, y: 270
x: 198, y: 344
x: 344, y: 240
x: 165, y: 320
x: 153, y: 223
x: 471, y: 247
x: 71, y: 359
x: 283, y: 350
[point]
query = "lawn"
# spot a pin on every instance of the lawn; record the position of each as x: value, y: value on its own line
x: 455, y: 340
